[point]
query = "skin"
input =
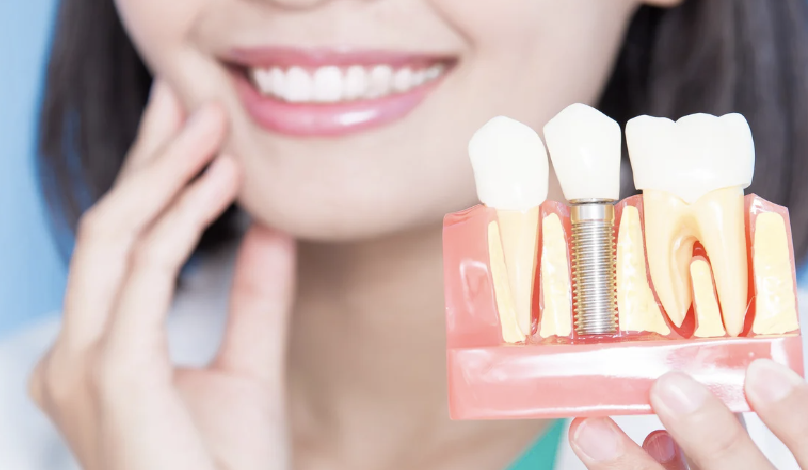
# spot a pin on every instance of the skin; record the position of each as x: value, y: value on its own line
x: 326, y: 343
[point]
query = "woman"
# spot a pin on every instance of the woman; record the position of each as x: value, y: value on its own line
x: 329, y: 358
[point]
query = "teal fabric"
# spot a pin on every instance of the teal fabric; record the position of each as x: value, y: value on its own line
x: 542, y: 455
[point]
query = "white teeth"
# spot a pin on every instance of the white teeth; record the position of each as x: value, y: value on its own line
x: 402, y: 80
x: 418, y: 77
x: 381, y: 78
x: 263, y: 79
x: 299, y: 85
x: 434, y: 72
x: 278, y: 82
x: 332, y: 84
x: 355, y: 83
x: 328, y: 84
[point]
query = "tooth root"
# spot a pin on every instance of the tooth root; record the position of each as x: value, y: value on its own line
x: 556, y: 317
x: 669, y: 242
x: 720, y: 214
x: 637, y: 309
x: 775, y: 306
x: 502, y: 291
x: 705, y: 304
x: 519, y: 231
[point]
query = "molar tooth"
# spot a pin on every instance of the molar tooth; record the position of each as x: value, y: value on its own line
x: 692, y: 173
x: 299, y: 85
x: 328, y: 84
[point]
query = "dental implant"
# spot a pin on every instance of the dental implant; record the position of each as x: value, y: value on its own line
x: 593, y: 267
x: 584, y: 147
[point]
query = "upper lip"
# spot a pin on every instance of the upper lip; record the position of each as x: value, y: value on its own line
x: 285, y: 57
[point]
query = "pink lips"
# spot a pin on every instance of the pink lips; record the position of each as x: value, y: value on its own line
x: 326, y: 119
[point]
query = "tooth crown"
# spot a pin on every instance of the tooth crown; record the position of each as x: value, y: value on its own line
x: 584, y: 145
x: 692, y: 156
x: 510, y: 165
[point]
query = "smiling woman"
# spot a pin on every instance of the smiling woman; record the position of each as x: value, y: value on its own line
x: 343, y: 125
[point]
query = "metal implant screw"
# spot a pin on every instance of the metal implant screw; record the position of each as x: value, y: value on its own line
x: 593, y: 267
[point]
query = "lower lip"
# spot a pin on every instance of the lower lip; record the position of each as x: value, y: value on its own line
x: 327, y: 119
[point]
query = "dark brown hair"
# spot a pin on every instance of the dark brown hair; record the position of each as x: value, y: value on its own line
x: 714, y: 56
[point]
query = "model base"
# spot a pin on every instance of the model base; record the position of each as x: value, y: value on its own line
x: 566, y: 380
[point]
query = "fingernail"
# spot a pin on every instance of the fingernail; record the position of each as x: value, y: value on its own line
x: 661, y: 447
x: 598, y: 439
x: 770, y: 382
x: 679, y: 393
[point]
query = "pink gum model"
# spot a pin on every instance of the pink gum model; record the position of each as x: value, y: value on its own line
x: 571, y: 376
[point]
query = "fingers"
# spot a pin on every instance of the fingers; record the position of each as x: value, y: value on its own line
x: 108, y: 231
x: 661, y: 446
x: 162, y: 119
x: 780, y: 398
x: 138, y: 324
x: 601, y: 445
x: 261, y: 299
x: 703, y: 426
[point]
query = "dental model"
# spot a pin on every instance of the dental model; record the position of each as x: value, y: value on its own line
x: 697, y: 278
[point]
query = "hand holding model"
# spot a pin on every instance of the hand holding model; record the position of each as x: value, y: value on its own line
x: 108, y: 383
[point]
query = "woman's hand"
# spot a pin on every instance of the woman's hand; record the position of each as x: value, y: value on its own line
x: 108, y: 383
x: 707, y: 433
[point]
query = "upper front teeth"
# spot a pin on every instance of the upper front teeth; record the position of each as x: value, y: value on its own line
x: 331, y: 83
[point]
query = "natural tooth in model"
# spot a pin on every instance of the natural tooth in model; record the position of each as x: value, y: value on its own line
x: 705, y: 305
x: 693, y: 173
x: 775, y: 306
x: 511, y: 172
x: 556, y: 317
x: 584, y: 146
x: 637, y: 309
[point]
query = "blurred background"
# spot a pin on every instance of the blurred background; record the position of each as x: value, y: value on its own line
x: 32, y: 272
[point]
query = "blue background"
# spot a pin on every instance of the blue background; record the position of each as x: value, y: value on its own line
x: 32, y: 273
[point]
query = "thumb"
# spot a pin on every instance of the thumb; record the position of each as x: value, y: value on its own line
x: 261, y: 299
x: 661, y: 446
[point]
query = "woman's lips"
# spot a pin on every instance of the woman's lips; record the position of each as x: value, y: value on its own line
x: 324, y: 93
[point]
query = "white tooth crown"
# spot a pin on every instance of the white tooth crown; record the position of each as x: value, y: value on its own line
x: 584, y: 146
x: 510, y: 165
x: 331, y: 83
x: 692, y: 156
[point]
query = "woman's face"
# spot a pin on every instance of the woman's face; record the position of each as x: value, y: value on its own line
x: 351, y: 117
